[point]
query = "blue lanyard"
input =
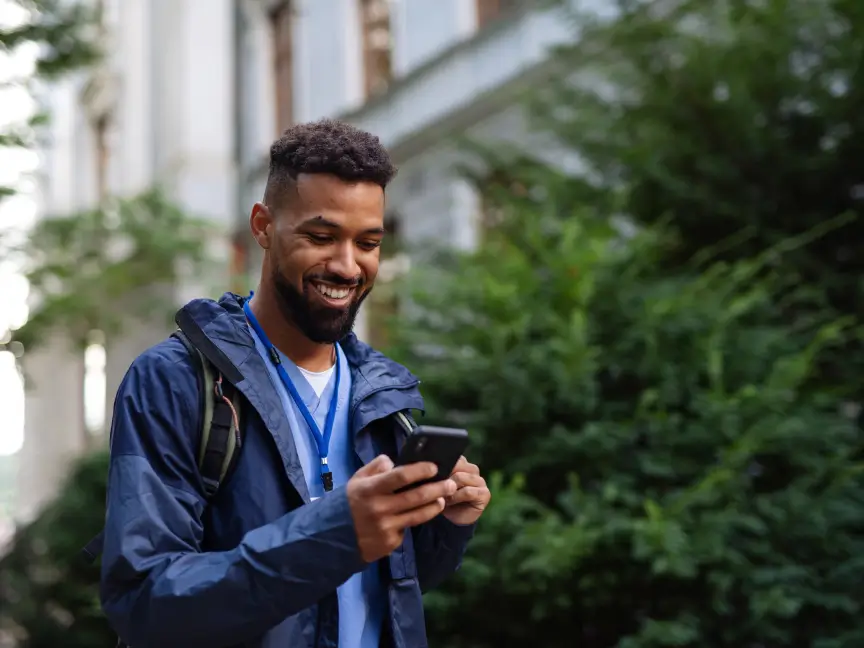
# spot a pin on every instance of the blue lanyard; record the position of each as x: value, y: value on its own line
x: 322, y: 440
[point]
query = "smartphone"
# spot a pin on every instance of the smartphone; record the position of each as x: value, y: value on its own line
x: 439, y: 445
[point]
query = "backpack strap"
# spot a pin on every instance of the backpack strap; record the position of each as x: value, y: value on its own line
x: 220, y: 437
x: 221, y: 433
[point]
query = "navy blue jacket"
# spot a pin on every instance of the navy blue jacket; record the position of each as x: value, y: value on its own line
x: 258, y: 566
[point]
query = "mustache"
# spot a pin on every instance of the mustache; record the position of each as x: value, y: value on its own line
x: 336, y: 280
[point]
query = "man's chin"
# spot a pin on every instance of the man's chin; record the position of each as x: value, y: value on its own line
x: 329, y: 327
x: 327, y: 336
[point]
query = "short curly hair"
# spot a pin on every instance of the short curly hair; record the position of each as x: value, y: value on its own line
x: 327, y: 146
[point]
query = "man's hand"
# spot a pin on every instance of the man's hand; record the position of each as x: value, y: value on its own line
x: 467, y: 504
x: 380, y: 515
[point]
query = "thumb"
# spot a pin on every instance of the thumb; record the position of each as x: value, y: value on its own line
x: 380, y: 464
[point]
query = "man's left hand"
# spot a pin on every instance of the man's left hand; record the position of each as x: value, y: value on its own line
x: 467, y: 504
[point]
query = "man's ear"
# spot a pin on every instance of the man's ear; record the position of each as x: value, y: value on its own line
x: 261, y: 224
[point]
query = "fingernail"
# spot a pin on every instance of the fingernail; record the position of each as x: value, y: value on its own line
x: 451, y: 486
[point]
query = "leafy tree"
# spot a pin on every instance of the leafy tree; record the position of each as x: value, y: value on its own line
x: 64, y: 36
x: 94, y: 270
x: 666, y: 472
x: 64, y: 32
x: 734, y: 120
x: 670, y: 418
x: 97, y: 269
x: 49, y: 596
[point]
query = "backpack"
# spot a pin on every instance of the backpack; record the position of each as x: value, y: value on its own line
x: 221, y: 434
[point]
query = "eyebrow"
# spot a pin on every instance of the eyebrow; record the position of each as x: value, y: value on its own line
x: 320, y: 221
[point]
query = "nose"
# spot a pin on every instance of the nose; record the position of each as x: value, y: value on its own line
x: 343, y: 263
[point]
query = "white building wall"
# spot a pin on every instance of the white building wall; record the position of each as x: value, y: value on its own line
x: 132, y: 60
x: 433, y: 198
x: 469, y: 80
x: 256, y: 92
x: 54, y: 416
x: 174, y: 124
x: 187, y: 86
x: 423, y: 29
x: 204, y: 165
x: 328, y: 72
x: 64, y: 188
x: 53, y: 424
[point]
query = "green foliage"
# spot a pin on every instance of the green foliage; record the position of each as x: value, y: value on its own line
x: 730, y: 118
x: 669, y: 418
x: 65, y: 36
x: 49, y: 596
x: 94, y: 270
x: 666, y: 472
x: 64, y: 31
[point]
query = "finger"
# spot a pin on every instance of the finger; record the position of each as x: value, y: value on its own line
x: 463, y: 465
x: 421, y: 496
x: 419, y: 515
x: 404, y: 476
x: 473, y: 494
x: 380, y: 464
x: 463, y: 479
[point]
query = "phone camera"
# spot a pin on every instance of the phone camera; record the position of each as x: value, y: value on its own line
x: 421, y: 443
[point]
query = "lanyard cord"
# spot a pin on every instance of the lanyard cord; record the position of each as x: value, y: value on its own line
x: 321, y: 440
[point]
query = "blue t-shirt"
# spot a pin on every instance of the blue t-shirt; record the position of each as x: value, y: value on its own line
x: 362, y: 598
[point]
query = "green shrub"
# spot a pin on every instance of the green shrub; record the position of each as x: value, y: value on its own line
x: 49, y: 595
x: 666, y: 470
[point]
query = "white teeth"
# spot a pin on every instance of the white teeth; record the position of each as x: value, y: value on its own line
x: 333, y: 293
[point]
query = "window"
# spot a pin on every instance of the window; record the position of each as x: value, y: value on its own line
x: 282, y: 21
x: 489, y: 11
x: 377, y: 45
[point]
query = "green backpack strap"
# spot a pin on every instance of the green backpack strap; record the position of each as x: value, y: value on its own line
x: 221, y: 430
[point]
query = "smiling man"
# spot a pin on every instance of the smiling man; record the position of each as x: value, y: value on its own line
x: 299, y: 538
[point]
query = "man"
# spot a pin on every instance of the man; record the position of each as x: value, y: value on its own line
x: 306, y: 543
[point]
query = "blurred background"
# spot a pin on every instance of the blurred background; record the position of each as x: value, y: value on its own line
x: 626, y: 253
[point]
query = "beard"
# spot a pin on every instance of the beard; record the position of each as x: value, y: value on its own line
x: 321, y: 324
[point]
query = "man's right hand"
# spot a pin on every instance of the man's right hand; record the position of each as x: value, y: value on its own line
x: 381, y: 515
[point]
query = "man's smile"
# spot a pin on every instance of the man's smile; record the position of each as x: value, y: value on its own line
x: 337, y: 296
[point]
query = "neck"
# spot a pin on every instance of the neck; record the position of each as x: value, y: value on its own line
x: 285, y: 336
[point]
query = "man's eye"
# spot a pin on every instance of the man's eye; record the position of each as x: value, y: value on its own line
x: 369, y: 245
x: 320, y: 238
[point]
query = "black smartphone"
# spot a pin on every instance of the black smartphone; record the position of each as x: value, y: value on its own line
x: 439, y: 445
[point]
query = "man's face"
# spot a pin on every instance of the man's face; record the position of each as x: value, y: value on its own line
x: 323, y: 252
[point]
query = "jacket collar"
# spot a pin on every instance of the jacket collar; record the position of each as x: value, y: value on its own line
x: 224, y: 322
x: 380, y: 386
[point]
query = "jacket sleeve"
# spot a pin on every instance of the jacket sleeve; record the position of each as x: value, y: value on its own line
x: 158, y: 587
x: 439, y: 546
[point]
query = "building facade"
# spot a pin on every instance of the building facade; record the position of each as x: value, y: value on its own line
x: 158, y: 110
x: 193, y: 92
x: 417, y: 73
